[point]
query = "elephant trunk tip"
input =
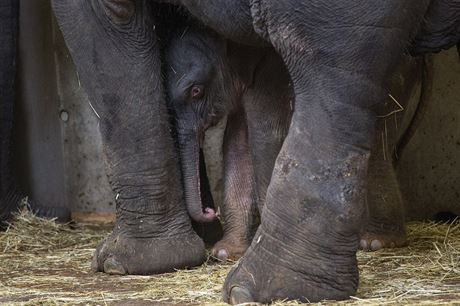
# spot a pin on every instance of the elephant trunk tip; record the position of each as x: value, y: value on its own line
x: 208, y: 215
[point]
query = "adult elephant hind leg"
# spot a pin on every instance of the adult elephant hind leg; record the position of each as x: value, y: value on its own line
x: 117, y: 56
x: 385, y: 227
x: 305, y: 247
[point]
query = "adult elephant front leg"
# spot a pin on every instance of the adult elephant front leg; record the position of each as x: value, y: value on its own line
x: 115, y: 49
x: 306, y: 245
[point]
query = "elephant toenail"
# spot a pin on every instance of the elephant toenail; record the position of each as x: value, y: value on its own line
x: 94, y: 263
x: 376, y: 245
x: 363, y: 244
x: 112, y: 266
x: 239, y: 295
x: 222, y: 254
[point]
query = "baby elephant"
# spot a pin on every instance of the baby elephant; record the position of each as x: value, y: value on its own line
x: 209, y: 78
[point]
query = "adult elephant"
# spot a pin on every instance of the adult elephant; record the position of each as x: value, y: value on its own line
x: 10, y: 192
x: 338, y: 54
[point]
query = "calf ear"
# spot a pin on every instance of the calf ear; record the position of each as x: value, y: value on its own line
x: 441, y: 28
x: 244, y: 60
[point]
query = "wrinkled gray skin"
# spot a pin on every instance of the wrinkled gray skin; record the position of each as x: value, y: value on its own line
x: 209, y: 78
x: 337, y: 53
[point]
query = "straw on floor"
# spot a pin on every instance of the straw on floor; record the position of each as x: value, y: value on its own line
x: 43, y: 263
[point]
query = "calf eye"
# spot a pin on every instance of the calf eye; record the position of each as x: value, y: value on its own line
x: 197, y: 91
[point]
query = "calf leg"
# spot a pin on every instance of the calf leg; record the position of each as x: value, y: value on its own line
x: 239, y: 209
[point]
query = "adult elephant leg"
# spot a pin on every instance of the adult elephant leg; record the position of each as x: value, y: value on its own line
x: 9, y: 194
x: 385, y: 227
x: 114, y: 46
x: 309, y: 233
x: 305, y: 247
x: 239, y: 209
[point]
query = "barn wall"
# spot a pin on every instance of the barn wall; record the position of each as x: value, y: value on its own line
x: 38, y: 131
x: 60, y: 161
x: 429, y: 167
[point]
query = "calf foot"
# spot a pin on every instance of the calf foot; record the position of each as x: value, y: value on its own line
x: 229, y: 249
x: 379, y: 235
x: 120, y: 254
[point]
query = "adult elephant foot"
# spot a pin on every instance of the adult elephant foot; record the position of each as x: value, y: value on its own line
x: 378, y: 238
x: 120, y: 254
x: 264, y: 276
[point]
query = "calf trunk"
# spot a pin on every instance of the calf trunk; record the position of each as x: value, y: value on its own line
x: 190, y: 162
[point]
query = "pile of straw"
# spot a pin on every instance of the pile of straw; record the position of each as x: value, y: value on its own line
x: 44, y: 263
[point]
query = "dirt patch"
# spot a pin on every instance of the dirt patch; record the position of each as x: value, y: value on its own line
x: 44, y: 263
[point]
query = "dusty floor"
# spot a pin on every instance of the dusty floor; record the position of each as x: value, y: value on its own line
x: 42, y: 263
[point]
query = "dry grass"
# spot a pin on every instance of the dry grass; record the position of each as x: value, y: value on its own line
x: 42, y: 263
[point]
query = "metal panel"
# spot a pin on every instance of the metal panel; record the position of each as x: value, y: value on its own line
x: 59, y: 142
x: 37, y: 125
x: 429, y: 168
